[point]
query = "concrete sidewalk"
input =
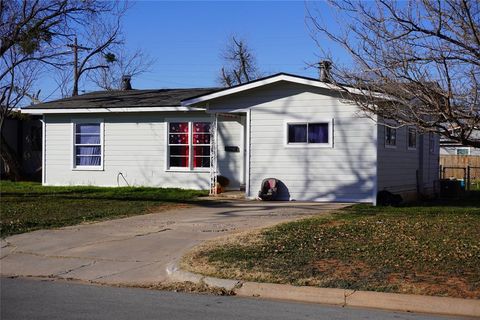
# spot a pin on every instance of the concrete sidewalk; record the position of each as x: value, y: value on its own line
x: 137, y: 250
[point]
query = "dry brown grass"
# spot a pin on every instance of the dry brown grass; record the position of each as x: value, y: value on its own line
x: 429, y: 250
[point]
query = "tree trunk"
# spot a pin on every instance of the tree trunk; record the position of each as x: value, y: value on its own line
x: 11, y: 160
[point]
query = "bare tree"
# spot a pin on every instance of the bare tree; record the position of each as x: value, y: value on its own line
x: 99, y: 42
x: 240, y: 65
x: 33, y: 35
x: 93, y: 48
x: 63, y: 79
x: 122, y: 63
x: 416, y: 63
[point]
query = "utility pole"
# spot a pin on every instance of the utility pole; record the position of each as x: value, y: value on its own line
x: 76, y: 73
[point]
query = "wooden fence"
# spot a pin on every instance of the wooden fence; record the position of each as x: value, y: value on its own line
x: 460, y: 167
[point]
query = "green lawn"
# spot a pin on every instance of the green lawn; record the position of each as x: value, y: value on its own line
x: 432, y: 249
x: 27, y: 206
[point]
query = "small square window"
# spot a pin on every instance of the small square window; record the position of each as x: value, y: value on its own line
x: 314, y: 134
x: 390, y: 137
x: 412, y: 138
x: 462, y: 151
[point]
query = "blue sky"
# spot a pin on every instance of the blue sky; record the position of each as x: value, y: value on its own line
x: 186, y: 39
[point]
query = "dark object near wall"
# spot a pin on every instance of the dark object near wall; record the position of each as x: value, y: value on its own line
x: 223, y: 181
x: 451, y: 188
x: 21, y: 148
x: 268, y: 189
x: 232, y: 149
x: 386, y: 198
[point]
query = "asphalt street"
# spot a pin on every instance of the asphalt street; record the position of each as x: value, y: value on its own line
x: 48, y: 299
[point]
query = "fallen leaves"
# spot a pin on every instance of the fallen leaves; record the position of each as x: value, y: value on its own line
x: 427, y: 250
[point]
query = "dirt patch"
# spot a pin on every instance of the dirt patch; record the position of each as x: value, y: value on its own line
x: 334, y: 270
x: 188, y: 287
x: 339, y: 269
x: 453, y: 286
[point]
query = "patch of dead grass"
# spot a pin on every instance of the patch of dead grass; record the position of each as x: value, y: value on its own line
x: 429, y: 251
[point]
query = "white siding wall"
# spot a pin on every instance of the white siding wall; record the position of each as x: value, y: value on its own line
x: 134, y: 145
x: 397, y: 167
x: 345, y: 172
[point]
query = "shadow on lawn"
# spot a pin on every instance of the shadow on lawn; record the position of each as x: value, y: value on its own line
x: 28, y: 191
x: 468, y: 199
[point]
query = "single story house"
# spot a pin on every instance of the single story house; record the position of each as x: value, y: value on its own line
x: 299, y: 130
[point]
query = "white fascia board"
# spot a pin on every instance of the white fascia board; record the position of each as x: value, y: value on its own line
x: 242, y: 110
x: 108, y: 110
x: 282, y: 77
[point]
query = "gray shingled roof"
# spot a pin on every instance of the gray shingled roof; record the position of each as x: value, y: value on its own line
x: 129, y: 98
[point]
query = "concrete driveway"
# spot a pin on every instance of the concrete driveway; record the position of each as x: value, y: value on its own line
x: 137, y: 250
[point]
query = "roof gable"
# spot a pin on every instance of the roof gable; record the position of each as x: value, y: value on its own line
x: 263, y: 82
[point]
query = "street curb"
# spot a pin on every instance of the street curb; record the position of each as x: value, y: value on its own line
x: 341, y: 297
x: 292, y: 293
x: 364, y: 299
x: 415, y: 303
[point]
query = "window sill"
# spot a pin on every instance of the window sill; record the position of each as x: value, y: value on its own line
x: 87, y: 169
x: 388, y: 146
x: 411, y: 149
x: 309, y: 145
x: 188, y: 170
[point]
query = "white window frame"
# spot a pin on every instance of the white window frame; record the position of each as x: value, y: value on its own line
x: 76, y: 167
x: 307, y: 144
x: 462, y: 148
x: 190, y: 167
x: 408, y: 138
x: 387, y: 145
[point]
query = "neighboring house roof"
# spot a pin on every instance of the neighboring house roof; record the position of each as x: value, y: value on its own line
x: 445, y: 142
x: 450, y: 143
x: 120, y: 100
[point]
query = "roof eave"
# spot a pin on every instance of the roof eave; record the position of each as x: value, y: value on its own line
x: 109, y: 110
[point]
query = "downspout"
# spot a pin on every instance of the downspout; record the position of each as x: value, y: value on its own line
x: 247, y: 158
x: 420, y: 164
x: 375, y: 174
x: 44, y: 167
x: 213, y: 154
